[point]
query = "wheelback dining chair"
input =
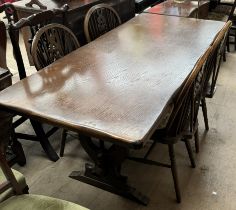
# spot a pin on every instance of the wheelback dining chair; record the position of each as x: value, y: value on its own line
x: 100, y: 19
x: 50, y: 43
x: 33, y: 23
x: 224, y: 7
x: 225, y: 12
x: 18, y: 197
x: 181, y: 122
x: 213, y: 65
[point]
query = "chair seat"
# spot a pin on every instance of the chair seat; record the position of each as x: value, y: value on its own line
x: 20, y: 179
x: 162, y: 136
x: 38, y: 202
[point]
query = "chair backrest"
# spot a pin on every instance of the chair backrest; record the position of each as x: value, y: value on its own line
x: 226, y: 8
x: 231, y: 14
x: 33, y: 23
x: 100, y: 19
x: 218, y: 48
x: 187, y: 99
x: 3, y: 45
x: 52, y: 42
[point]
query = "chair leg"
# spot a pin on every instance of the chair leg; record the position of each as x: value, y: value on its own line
x: 190, y: 152
x: 204, y: 111
x: 150, y: 149
x: 224, y: 55
x: 63, y: 142
x: 174, y: 172
x: 26, y: 190
x: 227, y: 43
x: 196, y: 136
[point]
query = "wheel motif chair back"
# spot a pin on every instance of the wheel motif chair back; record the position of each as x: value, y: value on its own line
x: 99, y: 20
x: 32, y: 24
x: 187, y: 100
x: 52, y: 42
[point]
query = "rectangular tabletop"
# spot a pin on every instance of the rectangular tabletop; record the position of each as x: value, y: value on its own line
x: 117, y: 86
x: 186, y: 8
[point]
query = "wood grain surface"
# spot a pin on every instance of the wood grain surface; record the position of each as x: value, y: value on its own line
x: 185, y: 9
x: 117, y: 86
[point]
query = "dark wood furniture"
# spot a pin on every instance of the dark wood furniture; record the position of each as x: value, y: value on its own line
x: 213, y: 67
x: 10, y: 12
x: 49, y: 44
x: 77, y: 11
x: 3, y: 45
x: 34, y: 22
x: 13, y: 148
x: 30, y: 26
x: 225, y: 12
x: 182, y: 121
x: 6, y: 118
x: 115, y: 92
x: 52, y: 42
x: 187, y: 8
x: 100, y: 19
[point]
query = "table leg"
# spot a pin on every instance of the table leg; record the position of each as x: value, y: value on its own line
x: 105, y: 172
x: 38, y: 129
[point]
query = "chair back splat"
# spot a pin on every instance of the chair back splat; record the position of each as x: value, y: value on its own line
x: 52, y: 42
x: 34, y: 23
x: 187, y: 100
x: 182, y: 122
x: 214, y: 64
x: 100, y: 19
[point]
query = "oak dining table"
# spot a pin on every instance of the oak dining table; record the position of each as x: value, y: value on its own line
x: 115, y: 89
x: 179, y: 8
